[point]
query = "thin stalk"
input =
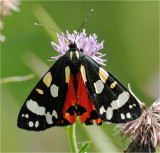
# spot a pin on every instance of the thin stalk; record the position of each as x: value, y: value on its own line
x: 16, y: 78
x: 72, y: 137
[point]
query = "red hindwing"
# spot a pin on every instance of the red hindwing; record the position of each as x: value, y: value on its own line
x: 70, y: 101
x: 80, y: 99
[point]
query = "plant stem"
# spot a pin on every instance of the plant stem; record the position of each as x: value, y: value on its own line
x: 72, y: 137
x: 16, y: 78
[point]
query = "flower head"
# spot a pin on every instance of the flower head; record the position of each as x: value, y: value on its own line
x: 7, y: 6
x: 88, y: 44
x: 145, y: 130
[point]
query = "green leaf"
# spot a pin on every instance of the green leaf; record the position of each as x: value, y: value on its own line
x: 84, y: 147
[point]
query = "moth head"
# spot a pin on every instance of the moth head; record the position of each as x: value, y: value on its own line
x: 72, y: 46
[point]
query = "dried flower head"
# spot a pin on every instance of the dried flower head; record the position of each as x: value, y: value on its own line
x: 88, y: 44
x: 5, y: 9
x: 145, y: 130
x: 7, y: 5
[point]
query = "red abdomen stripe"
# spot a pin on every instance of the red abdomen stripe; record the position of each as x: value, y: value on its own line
x: 83, y: 99
x: 70, y: 101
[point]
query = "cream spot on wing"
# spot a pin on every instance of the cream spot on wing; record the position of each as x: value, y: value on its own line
x: 71, y: 54
x: 31, y: 124
x: 49, y: 118
x: 35, y: 108
x: 67, y: 74
x: 134, y: 104
x: 103, y: 74
x: 83, y: 72
x: 128, y: 115
x: 122, y: 116
x: 109, y: 113
x: 77, y: 54
x: 47, y: 79
x: 98, y: 85
x: 36, y: 124
x: 113, y: 85
x: 54, y: 90
x: 122, y: 99
x: 39, y: 91
x: 22, y: 115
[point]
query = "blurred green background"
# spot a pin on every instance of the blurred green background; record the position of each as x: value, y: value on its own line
x: 130, y: 30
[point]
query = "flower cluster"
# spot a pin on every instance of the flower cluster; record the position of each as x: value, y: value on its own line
x: 5, y: 9
x: 88, y: 44
x: 145, y: 130
x: 7, y: 6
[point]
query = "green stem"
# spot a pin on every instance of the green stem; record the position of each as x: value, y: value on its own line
x: 72, y: 137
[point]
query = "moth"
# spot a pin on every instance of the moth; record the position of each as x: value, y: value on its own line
x: 76, y: 85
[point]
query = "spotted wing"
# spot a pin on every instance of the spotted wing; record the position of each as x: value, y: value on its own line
x: 44, y: 106
x: 112, y: 101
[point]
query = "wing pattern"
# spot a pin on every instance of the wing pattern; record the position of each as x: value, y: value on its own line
x: 112, y: 101
x: 77, y: 86
x: 43, y: 107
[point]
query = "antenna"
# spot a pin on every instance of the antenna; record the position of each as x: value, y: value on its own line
x: 84, y: 22
x: 52, y: 29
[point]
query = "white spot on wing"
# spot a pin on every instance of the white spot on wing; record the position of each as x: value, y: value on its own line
x: 54, y: 113
x: 98, y: 85
x: 49, y: 118
x: 35, y: 108
x: 130, y: 106
x: 31, y: 124
x: 115, y: 104
x: 109, y: 113
x: 22, y: 115
x: 83, y: 72
x: 37, y: 124
x: 26, y: 116
x: 54, y: 90
x: 122, y: 116
x: 134, y: 104
x: 122, y: 99
x: 102, y: 110
x: 128, y: 115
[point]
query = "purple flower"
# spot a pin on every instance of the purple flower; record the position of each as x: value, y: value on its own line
x: 88, y: 44
x: 145, y: 130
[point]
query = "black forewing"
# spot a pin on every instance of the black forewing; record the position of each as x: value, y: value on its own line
x: 46, y: 110
x: 128, y: 112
